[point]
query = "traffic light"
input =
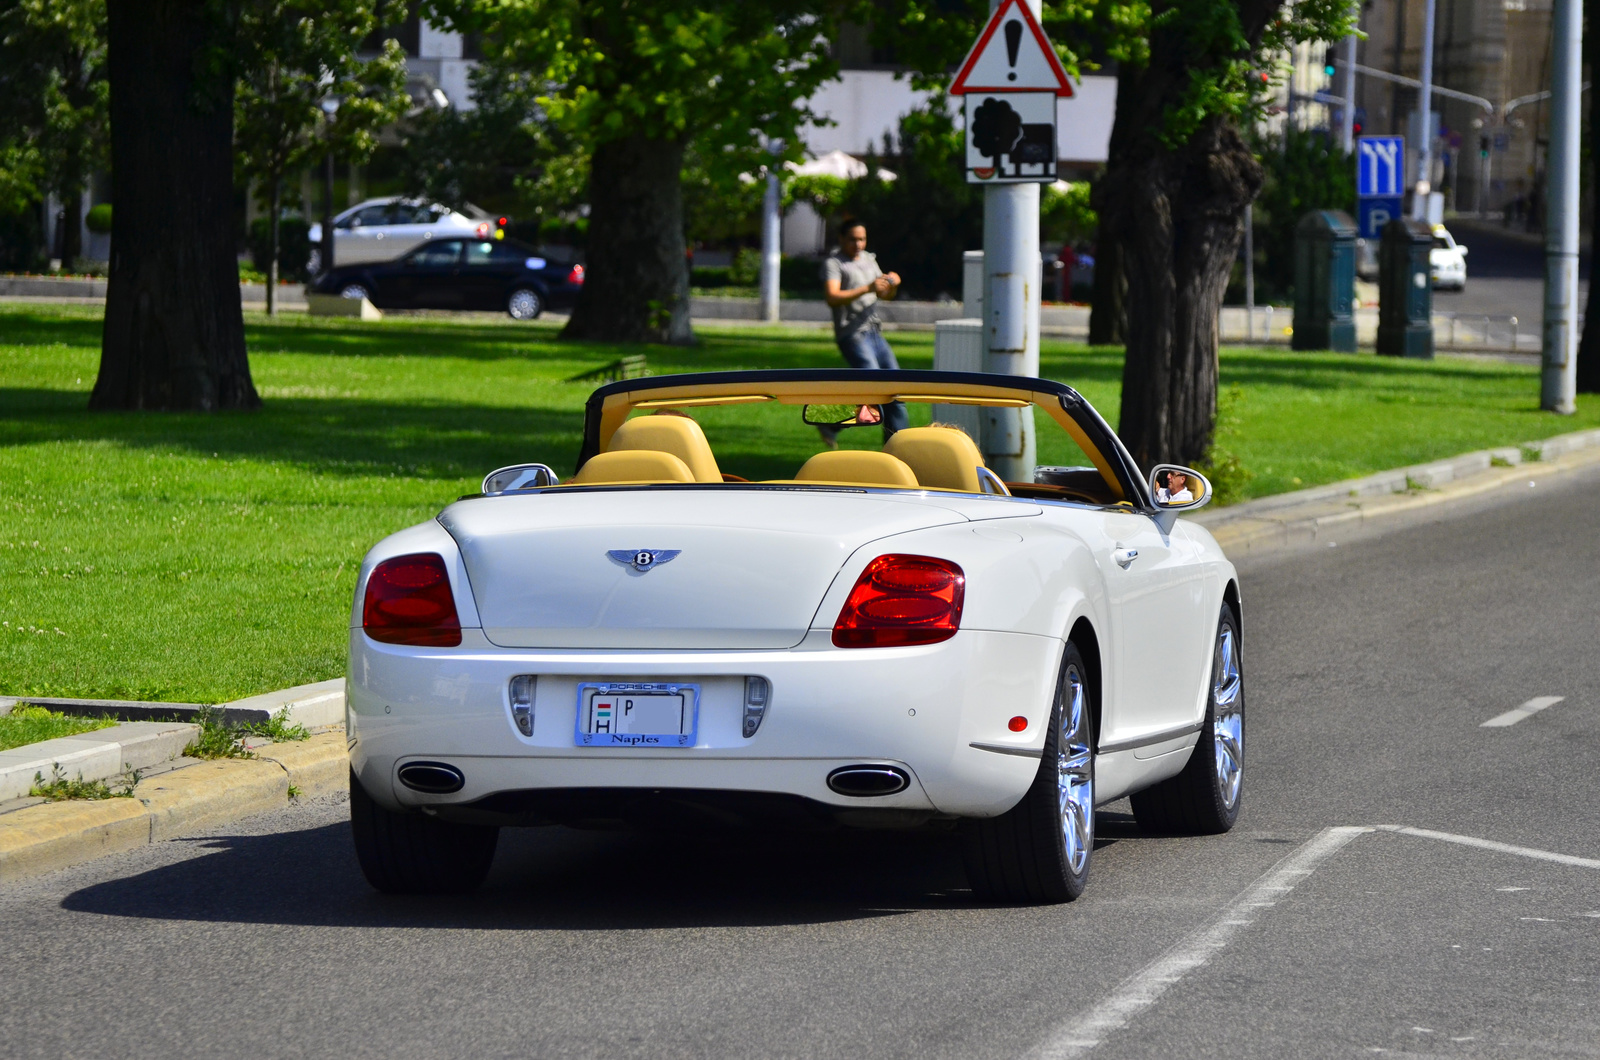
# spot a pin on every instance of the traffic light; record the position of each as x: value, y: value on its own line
x: 1483, y: 147
x: 1329, y: 66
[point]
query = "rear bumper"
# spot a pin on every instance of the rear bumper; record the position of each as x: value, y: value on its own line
x: 921, y: 709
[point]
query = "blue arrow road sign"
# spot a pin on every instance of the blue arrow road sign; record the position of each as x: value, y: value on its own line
x: 1375, y: 211
x: 1380, y: 165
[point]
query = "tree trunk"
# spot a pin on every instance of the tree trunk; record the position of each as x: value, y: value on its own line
x: 1108, y: 317
x: 275, y: 198
x: 636, y: 288
x: 1179, y: 218
x: 174, y: 331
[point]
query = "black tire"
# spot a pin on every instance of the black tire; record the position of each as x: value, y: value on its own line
x: 411, y: 853
x: 1197, y: 801
x: 1023, y: 855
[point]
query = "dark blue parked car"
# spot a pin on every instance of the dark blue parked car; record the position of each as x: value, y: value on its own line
x: 461, y: 274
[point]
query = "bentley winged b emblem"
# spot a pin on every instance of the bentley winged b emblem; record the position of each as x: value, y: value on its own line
x: 644, y: 559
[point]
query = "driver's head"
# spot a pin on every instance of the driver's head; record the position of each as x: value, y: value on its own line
x: 852, y: 238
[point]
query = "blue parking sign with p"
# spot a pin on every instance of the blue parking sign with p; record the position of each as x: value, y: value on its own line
x: 1380, y: 166
x: 1375, y: 211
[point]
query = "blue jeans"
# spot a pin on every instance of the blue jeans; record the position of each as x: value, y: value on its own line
x: 868, y: 348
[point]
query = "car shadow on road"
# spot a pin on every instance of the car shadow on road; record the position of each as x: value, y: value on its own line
x: 555, y: 879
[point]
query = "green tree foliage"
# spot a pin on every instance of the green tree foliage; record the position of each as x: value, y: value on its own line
x: 637, y: 84
x: 53, y: 105
x: 1065, y: 215
x: 1306, y: 171
x: 504, y: 155
x: 293, y: 54
x: 920, y: 223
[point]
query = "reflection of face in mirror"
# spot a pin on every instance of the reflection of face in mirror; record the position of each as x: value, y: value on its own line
x: 842, y: 415
x: 1173, y: 488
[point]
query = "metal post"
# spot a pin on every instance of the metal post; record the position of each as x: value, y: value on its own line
x: 771, y: 245
x: 1012, y: 275
x: 1250, y: 271
x: 327, y: 213
x: 1347, y: 127
x: 1419, y: 202
x: 1559, y: 384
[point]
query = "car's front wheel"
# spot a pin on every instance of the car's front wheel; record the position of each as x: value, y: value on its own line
x: 410, y: 853
x: 524, y: 304
x: 1204, y: 798
x: 1039, y: 850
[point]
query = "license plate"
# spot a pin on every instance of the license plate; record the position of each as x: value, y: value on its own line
x: 637, y: 714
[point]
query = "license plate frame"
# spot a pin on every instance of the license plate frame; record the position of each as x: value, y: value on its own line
x: 623, y: 695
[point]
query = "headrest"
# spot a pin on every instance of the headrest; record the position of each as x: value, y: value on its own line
x: 940, y: 457
x: 634, y: 465
x: 861, y: 466
x: 678, y: 435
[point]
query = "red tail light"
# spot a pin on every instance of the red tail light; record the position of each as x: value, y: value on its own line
x: 409, y: 602
x: 576, y: 275
x: 901, y: 600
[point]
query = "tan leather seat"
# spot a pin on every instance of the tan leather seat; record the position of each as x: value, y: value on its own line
x: 940, y: 457
x: 858, y: 466
x: 631, y: 466
x: 678, y: 435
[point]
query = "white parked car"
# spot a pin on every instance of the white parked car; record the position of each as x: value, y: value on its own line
x: 883, y: 637
x: 1447, y: 261
x: 384, y: 229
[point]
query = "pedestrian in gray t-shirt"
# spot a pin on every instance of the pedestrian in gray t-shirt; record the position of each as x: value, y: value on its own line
x: 853, y: 283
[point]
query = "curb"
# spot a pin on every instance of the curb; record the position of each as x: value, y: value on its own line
x: 40, y: 839
x: 96, y: 755
x: 317, y: 706
x: 1289, y: 519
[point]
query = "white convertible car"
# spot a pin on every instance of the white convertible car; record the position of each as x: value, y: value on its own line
x: 881, y: 638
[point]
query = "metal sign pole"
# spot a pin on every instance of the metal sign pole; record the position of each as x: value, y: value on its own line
x: 1559, y: 383
x: 1419, y: 202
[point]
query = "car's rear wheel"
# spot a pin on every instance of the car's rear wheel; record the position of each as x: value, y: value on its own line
x: 524, y: 304
x: 1039, y: 850
x: 354, y: 291
x: 1204, y: 798
x: 410, y: 853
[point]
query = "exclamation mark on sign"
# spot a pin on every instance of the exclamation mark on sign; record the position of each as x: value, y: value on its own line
x: 1013, y: 42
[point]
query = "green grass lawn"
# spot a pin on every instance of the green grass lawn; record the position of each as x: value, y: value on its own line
x: 26, y: 725
x: 203, y: 558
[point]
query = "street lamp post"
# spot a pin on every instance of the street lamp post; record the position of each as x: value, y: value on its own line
x: 1419, y: 201
x: 330, y: 107
x: 1559, y: 380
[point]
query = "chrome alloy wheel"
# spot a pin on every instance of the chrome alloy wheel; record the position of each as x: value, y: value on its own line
x: 1227, y: 718
x: 353, y: 291
x: 524, y: 305
x: 1075, y: 773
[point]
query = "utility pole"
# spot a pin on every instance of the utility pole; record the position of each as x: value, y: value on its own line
x: 1347, y: 127
x: 1559, y: 380
x: 1012, y: 274
x: 1419, y: 201
x: 771, y: 239
x: 1250, y: 271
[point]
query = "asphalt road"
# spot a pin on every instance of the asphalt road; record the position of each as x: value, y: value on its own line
x: 1371, y: 666
x: 1505, y: 275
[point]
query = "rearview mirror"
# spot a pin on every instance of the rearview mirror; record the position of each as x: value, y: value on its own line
x: 841, y: 415
x: 519, y: 477
x: 1176, y: 488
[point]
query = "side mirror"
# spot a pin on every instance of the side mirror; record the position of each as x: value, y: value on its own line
x: 519, y: 477
x: 1176, y: 488
x: 1462, y: 249
x: 841, y: 415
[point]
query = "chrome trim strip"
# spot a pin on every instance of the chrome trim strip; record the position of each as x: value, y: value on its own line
x: 1006, y: 749
x: 1148, y: 739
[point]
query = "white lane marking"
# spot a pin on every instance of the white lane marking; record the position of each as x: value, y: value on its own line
x: 1489, y: 844
x: 1527, y: 710
x: 1142, y: 989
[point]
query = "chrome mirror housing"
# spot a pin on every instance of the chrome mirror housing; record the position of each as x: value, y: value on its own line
x: 519, y: 477
x: 1176, y: 488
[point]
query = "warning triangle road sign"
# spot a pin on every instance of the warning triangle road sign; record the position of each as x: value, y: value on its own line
x: 1012, y: 55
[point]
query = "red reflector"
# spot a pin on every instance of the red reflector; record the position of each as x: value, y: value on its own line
x: 900, y: 600
x: 576, y: 275
x: 409, y: 602
x: 1017, y: 724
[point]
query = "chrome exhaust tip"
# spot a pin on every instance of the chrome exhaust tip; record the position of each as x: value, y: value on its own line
x: 860, y: 782
x: 432, y: 778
